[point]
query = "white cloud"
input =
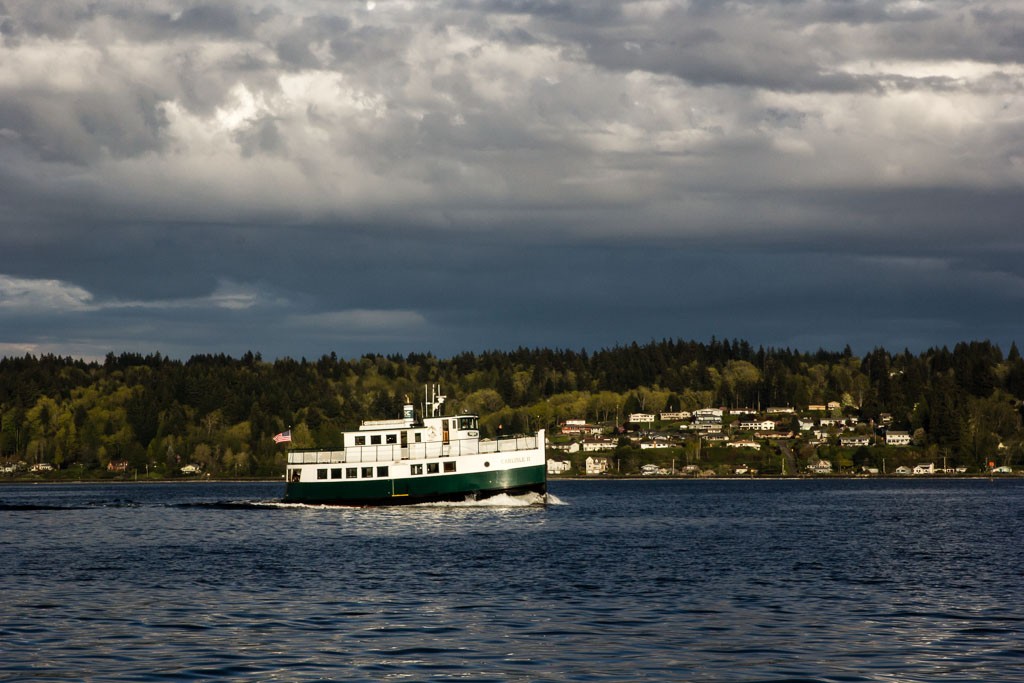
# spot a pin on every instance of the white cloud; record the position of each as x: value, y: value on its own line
x: 11, y: 350
x: 415, y: 106
x: 234, y: 296
x: 961, y: 71
x: 42, y: 296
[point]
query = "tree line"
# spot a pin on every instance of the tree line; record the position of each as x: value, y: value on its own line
x: 157, y: 413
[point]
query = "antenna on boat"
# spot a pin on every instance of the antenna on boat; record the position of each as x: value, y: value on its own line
x: 432, y: 406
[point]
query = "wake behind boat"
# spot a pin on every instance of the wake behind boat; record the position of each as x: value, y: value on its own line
x: 415, y: 460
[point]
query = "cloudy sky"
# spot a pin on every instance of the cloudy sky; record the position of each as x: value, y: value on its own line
x: 296, y: 177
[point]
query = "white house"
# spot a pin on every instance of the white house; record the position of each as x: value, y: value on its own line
x: 743, y: 411
x: 558, y: 466
x: 597, y: 443
x: 820, y: 467
x: 596, y: 465
x: 758, y: 425
x: 855, y: 441
x: 747, y: 443
x: 774, y: 435
x: 675, y: 416
x: 190, y: 469
x: 708, y: 416
x: 925, y: 468
x: 894, y: 438
x: 641, y: 418
x: 579, y: 427
x: 708, y: 412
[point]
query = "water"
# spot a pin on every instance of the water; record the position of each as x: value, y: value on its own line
x: 853, y: 580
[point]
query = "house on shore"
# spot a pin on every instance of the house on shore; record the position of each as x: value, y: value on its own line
x: 558, y: 466
x: 820, y: 467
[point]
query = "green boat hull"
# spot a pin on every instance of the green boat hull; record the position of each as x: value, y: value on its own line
x: 419, y: 489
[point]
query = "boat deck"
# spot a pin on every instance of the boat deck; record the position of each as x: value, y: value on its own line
x: 413, y: 451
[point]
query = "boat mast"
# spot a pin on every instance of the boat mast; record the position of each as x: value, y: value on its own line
x: 432, y: 406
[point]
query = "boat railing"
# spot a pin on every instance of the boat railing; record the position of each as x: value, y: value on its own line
x: 515, y: 443
x: 414, y: 451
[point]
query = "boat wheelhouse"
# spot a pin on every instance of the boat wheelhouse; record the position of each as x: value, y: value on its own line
x: 417, y: 459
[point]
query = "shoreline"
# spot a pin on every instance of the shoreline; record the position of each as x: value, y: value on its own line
x: 230, y: 480
x: 819, y: 477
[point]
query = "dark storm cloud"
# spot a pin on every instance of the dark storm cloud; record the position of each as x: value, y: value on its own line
x: 788, y: 46
x: 296, y: 177
x: 215, y: 18
x: 261, y: 137
x: 83, y: 129
x: 293, y: 48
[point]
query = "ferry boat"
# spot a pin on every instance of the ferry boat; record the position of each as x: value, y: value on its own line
x: 413, y: 459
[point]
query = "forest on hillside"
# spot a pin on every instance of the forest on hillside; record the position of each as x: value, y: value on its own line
x: 221, y: 413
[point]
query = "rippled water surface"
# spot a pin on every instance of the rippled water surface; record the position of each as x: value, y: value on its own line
x: 620, y: 581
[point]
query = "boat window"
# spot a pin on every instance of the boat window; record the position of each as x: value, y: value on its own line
x: 449, y: 466
x: 392, y: 438
x: 467, y: 423
x: 375, y: 439
x: 416, y: 469
x: 335, y: 473
x: 419, y: 437
x: 360, y: 440
x: 351, y: 472
x: 433, y: 468
x: 321, y: 473
x: 382, y: 471
x: 367, y: 472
